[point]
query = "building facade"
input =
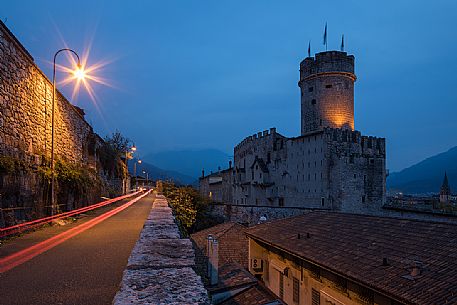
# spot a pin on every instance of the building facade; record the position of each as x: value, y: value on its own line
x: 330, y: 165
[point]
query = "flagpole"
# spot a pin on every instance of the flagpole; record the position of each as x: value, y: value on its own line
x: 325, y: 37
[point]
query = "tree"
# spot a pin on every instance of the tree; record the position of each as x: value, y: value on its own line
x: 111, y: 154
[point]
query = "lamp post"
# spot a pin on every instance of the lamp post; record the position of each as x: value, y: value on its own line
x: 147, y: 176
x: 79, y: 74
x: 131, y: 151
x: 134, y: 172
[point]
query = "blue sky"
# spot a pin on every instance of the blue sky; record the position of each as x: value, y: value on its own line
x: 205, y: 74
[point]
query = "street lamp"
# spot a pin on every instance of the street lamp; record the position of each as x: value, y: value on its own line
x: 147, y: 176
x: 79, y: 73
x: 131, y: 151
x: 134, y: 172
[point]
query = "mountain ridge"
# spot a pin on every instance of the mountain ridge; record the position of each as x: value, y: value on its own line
x: 189, y: 162
x: 427, y: 175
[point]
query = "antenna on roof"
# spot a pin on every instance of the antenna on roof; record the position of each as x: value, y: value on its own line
x: 342, y: 43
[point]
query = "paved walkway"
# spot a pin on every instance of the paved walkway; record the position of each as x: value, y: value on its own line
x: 159, y: 270
x: 83, y: 270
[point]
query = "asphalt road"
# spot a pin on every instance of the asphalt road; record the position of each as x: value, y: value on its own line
x: 85, y: 269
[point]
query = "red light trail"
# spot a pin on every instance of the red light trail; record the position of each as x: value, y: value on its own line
x: 20, y: 257
x: 31, y: 224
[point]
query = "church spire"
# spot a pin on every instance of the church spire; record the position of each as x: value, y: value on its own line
x: 445, y: 189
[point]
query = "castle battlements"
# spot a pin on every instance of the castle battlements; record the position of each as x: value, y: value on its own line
x: 260, y: 135
x: 369, y: 145
x: 327, y: 62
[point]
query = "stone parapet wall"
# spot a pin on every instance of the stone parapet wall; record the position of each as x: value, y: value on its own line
x: 250, y: 215
x: 160, y: 268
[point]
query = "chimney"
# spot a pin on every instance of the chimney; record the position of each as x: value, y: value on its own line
x: 209, y: 244
x: 415, y: 271
x: 203, y: 173
x: 213, y: 260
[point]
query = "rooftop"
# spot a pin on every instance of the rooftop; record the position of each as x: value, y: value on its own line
x: 354, y: 246
x: 233, y: 244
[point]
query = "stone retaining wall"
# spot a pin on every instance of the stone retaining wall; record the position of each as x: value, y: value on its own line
x: 160, y: 268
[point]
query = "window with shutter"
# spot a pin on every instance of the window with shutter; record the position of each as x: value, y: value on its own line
x: 315, y: 297
x: 296, y: 291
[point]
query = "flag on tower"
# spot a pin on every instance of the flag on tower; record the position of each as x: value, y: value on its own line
x: 342, y: 43
x: 309, y: 48
x: 325, y: 36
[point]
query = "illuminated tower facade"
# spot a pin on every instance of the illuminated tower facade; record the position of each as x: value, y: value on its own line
x: 327, y: 91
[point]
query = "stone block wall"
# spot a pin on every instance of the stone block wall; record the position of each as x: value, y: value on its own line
x: 25, y: 137
x: 250, y: 215
x: 26, y: 104
x: 327, y: 91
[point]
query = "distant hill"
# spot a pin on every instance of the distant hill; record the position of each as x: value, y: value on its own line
x: 427, y: 175
x: 189, y: 162
x: 156, y: 173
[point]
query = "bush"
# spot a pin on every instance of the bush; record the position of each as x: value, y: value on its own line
x: 191, y: 209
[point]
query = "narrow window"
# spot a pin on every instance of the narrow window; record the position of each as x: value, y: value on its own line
x: 322, y: 201
x: 315, y: 297
x: 363, y: 199
x: 281, y: 201
x: 310, y: 89
x: 355, y: 176
x: 281, y: 285
x: 296, y: 291
x: 313, y: 101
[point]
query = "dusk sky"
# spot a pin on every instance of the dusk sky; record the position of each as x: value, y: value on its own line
x: 206, y: 74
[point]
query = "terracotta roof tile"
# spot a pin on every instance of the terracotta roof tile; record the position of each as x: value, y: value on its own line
x: 233, y: 245
x: 355, y: 245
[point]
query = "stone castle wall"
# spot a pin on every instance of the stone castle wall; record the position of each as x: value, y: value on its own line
x: 25, y: 139
x: 337, y: 169
x: 26, y: 103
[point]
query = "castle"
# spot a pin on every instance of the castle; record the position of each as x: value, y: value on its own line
x: 329, y: 166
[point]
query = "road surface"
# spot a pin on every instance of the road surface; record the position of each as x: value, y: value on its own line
x: 84, y: 269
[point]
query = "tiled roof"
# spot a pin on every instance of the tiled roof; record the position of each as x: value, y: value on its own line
x: 234, y: 277
x: 232, y: 241
x: 354, y: 246
x: 255, y: 295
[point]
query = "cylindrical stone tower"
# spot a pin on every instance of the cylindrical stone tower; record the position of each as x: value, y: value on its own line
x: 327, y: 91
